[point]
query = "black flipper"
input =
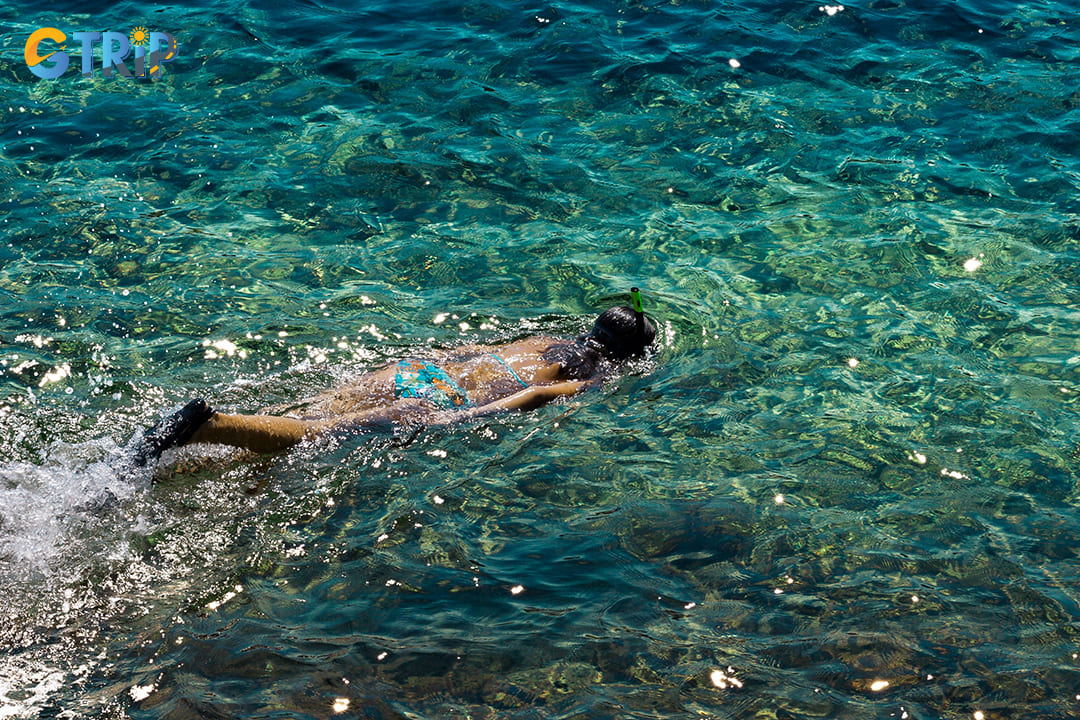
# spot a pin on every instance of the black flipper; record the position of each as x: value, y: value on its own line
x: 170, y: 431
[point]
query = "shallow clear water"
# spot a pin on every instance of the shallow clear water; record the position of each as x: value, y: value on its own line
x: 846, y: 486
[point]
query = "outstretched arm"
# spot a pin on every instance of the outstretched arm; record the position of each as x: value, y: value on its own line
x: 527, y: 399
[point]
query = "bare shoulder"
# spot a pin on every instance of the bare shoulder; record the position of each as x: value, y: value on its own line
x: 534, y: 344
x: 531, y: 345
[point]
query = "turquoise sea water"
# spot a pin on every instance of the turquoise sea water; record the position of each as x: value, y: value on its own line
x: 845, y: 487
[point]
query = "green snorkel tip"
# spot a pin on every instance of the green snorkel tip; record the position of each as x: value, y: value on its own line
x: 635, y: 298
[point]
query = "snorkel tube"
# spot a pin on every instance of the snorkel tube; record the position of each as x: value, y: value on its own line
x: 635, y: 300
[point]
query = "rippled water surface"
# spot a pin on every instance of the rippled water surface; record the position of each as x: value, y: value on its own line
x: 845, y: 487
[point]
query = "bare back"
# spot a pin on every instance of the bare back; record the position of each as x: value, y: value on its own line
x: 482, y: 371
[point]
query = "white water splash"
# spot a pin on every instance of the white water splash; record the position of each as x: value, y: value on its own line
x: 44, y: 507
x: 56, y: 520
x: 25, y: 688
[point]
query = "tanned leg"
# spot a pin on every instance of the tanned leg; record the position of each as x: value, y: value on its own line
x: 258, y: 433
x: 270, y: 433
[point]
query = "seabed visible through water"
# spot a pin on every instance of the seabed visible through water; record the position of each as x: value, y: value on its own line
x: 844, y: 487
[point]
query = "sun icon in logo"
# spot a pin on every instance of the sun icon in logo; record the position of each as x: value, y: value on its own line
x: 139, y: 36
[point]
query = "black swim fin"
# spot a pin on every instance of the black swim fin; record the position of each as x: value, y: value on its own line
x: 170, y: 431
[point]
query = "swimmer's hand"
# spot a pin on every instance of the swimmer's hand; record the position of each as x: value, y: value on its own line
x: 529, y: 398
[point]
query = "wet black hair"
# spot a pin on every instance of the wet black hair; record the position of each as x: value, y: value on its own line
x: 621, y: 332
x: 618, y: 333
x: 576, y: 360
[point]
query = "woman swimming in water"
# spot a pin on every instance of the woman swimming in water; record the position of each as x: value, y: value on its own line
x: 453, y: 385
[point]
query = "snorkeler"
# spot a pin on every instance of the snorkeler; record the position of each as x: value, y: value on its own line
x: 453, y: 385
